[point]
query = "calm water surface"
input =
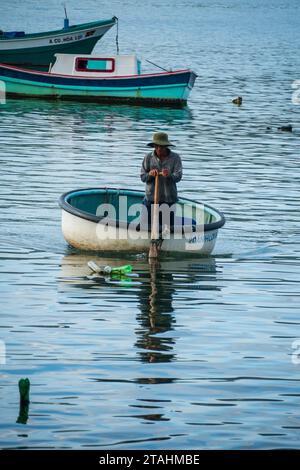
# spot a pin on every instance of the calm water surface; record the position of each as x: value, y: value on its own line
x: 197, y: 353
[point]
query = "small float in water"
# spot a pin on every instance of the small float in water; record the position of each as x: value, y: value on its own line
x: 110, y: 219
x: 99, y: 79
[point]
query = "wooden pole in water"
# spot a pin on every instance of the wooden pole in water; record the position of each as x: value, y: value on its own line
x: 154, y: 243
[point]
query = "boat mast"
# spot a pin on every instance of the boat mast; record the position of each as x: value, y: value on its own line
x: 66, y: 19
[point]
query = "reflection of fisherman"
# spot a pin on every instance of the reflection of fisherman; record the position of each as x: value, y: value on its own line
x: 155, y: 335
x: 156, y: 317
x: 167, y: 164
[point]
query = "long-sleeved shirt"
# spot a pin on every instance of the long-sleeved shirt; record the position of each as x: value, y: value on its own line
x: 167, y: 185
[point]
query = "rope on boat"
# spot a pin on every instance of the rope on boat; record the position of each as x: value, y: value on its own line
x: 162, y: 68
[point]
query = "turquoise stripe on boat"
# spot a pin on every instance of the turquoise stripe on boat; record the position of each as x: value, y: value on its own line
x: 173, y: 91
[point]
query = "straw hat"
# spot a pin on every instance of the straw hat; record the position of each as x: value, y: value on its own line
x: 160, y: 138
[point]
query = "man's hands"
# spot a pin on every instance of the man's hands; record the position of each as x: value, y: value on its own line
x: 155, y: 172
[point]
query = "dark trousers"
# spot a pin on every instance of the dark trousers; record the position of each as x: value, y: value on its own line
x: 168, y: 219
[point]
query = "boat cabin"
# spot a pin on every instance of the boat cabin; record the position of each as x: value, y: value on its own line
x: 93, y: 66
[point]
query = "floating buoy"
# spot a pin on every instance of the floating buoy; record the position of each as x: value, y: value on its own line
x: 287, y: 128
x: 238, y: 101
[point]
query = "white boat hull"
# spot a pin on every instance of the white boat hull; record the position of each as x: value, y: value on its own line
x: 92, y: 236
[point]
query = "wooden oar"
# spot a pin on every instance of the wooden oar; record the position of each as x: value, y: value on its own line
x: 155, y: 242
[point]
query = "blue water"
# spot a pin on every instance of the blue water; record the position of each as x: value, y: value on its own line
x: 199, y: 353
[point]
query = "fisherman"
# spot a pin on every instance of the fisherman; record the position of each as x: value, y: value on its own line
x: 167, y: 164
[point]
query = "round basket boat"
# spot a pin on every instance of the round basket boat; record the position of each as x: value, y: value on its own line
x: 110, y: 219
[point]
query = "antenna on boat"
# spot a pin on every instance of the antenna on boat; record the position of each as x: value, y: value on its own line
x: 117, y: 35
x: 66, y: 19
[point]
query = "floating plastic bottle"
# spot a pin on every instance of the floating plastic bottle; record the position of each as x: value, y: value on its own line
x: 119, y: 270
x: 123, y: 270
x: 24, y: 388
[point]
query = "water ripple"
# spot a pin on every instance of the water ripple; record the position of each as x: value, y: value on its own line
x: 203, y: 354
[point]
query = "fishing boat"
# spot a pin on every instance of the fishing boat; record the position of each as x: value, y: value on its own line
x: 110, y: 219
x: 99, y: 79
x: 36, y: 51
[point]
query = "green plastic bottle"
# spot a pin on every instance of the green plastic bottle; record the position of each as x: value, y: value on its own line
x: 24, y: 388
x: 119, y: 270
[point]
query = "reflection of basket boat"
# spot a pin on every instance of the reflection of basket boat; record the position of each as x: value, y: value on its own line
x: 75, y: 266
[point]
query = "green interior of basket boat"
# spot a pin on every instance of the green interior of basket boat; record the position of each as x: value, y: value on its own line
x: 90, y: 201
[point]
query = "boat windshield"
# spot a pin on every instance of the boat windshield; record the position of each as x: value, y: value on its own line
x: 95, y: 64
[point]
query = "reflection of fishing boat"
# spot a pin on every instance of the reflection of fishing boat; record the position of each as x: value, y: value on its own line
x: 99, y: 79
x: 75, y: 115
x: 37, y: 50
x: 104, y: 219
